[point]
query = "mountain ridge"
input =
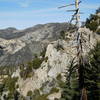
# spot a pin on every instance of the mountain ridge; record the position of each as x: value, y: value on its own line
x: 8, y: 33
x: 27, y: 42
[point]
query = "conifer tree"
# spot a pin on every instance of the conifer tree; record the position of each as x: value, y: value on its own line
x: 92, y: 74
x: 71, y: 86
x: 93, y: 21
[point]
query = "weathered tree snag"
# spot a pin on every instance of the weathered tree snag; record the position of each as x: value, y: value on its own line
x: 78, y: 35
x: 79, y: 55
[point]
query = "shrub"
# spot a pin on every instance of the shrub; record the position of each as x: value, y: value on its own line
x: 56, y: 99
x: 36, y: 92
x: 29, y: 66
x: 26, y: 73
x: 1, y: 88
x: 58, y: 77
x: 17, y: 86
x: 53, y: 90
x: 29, y: 93
x: 62, y: 35
x: 37, y: 62
x: 10, y: 83
x: 41, y: 97
x: 37, y: 95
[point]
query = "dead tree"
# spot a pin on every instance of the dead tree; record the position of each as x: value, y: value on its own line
x: 80, y: 62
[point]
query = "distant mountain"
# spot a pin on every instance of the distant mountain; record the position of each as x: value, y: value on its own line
x: 50, y: 28
x: 7, y: 33
x: 20, y: 46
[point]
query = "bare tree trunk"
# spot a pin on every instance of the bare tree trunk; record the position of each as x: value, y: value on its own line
x: 80, y: 61
x: 84, y: 94
x: 79, y: 55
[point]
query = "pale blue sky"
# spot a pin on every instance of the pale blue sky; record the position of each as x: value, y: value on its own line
x: 26, y: 13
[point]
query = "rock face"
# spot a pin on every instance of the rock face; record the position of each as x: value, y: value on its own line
x: 19, y: 46
x: 59, y: 53
x: 45, y: 77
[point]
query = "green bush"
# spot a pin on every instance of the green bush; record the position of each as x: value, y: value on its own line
x: 30, y: 66
x: 62, y: 35
x: 37, y: 95
x: 10, y: 86
x: 53, y: 90
x: 29, y: 93
x: 26, y: 73
x: 36, y: 63
x: 1, y: 88
x: 10, y: 83
x: 41, y: 97
x: 59, y: 77
x: 17, y: 86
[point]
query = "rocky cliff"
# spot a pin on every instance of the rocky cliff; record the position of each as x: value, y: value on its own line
x: 44, y: 81
x: 59, y: 55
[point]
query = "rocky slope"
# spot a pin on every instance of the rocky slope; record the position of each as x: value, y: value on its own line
x: 44, y: 81
x: 19, y: 46
x: 60, y: 54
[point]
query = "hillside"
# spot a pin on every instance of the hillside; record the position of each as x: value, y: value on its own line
x: 44, y: 76
x: 34, y: 65
x: 20, y: 46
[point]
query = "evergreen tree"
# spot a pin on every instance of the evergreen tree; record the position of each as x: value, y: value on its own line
x: 98, y: 10
x: 93, y: 21
x: 92, y: 74
x: 71, y: 86
x: 91, y: 78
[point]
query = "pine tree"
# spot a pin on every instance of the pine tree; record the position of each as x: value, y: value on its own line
x: 71, y: 86
x: 92, y: 74
x: 93, y: 21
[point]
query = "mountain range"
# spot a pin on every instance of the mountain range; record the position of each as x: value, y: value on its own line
x: 20, y: 46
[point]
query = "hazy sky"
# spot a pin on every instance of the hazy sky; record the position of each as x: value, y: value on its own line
x: 26, y: 13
